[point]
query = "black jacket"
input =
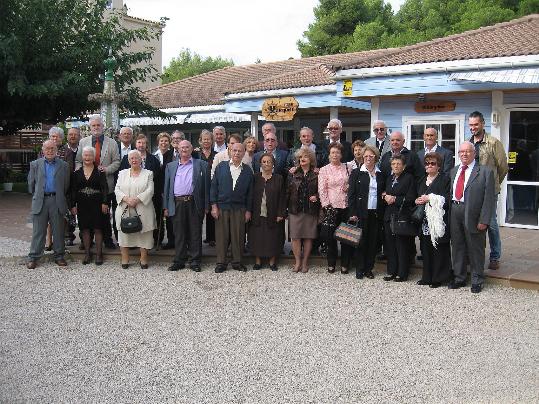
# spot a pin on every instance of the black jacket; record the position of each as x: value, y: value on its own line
x: 358, y: 194
x: 440, y: 186
x: 404, y: 188
x: 413, y: 165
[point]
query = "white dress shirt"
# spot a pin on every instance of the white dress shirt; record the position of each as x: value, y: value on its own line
x: 373, y: 187
x: 427, y: 150
x: 235, y: 172
x: 124, y: 150
x: 466, y: 178
x: 218, y: 148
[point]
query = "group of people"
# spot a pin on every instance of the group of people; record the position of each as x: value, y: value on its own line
x: 247, y: 193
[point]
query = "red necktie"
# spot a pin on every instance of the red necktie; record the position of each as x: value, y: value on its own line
x: 97, y: 153
x: 459, y: 190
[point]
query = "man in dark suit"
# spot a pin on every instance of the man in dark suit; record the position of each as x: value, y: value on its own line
x: 380, y: 140
x: 186, y: 201
x: 270, y: 146
x: 472, y: 203
x: 413, y: 166
x: 169, y: 156
x: 306, y: 137
x: 48, y: 182
x: 430, y: 136
x: 335, y: 130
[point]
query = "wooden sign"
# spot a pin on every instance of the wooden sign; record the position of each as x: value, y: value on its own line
x: 435, y: 106
x: 280, y: 109
x: 347, y: 88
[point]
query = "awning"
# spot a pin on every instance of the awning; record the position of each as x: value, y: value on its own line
x: 217, y: 117
x: 517, y: 76
x: 148, y: 121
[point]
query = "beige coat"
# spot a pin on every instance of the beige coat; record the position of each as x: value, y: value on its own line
x: 141, y: 187
x: 492, y: 154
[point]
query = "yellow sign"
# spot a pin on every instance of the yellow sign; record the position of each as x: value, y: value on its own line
x: 280, y: 109
x: 512, y: 157
x: 347, y: 88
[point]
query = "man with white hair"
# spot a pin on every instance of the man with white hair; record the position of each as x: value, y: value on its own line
x: 271, y: 146
x: 219, y: 137
x: 380, y: 140
x: 107, y: 160
x: 413, y: 165
x: 335, y: 130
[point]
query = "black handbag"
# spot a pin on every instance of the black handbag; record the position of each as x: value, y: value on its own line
x: 328, y: 224
x: 130, y: 224
x: 402, y: 226
x: 418, y: 214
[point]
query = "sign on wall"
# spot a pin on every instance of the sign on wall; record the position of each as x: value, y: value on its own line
x: 435, y: 106
x: 279, y: 108
x: 347, y: 88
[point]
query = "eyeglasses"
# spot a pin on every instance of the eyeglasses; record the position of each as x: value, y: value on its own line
x: 379, y: 129
x: 174, y: 140
x: 334, y: 128
x: 430, y: 163
x: 270, y: 140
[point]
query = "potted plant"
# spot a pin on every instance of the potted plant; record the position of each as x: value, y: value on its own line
x: 6, y: 178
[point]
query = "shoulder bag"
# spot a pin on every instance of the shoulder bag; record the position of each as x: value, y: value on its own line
x: 130, y: 224
x: 402, y: 226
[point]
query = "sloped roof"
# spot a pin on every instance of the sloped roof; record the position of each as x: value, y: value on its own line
x: 513, y: 38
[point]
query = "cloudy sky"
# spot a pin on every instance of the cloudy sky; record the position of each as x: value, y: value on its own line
x: 243, y: 30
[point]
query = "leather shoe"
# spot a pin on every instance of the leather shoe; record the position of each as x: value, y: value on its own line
x: 389, y: 278
x: 476, y: 288
x: 273, y: 267
x: 31, y: 264
x: 87, y: 259
x: 220, y: 268
x: 257, y: 267
x: 494, y: 265
x: 239, y: 267
x: 331, y: 270
x: 359, y: 275
x: 435, y: 285
x: 456, y: 285
x: 61, y: 262
x: 195, y: 268
x: 369, y: 275
x: 344, y: 270
x: 99, y: 260
x: 422, y: 282
x: 176, y: 267
x: 399, y: 279
x: 143, y: 266
x: 125, y: 266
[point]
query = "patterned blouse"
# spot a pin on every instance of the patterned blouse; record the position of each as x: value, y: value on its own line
x: 333, y: 186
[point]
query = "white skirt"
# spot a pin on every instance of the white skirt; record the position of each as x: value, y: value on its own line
x: 141, y: 240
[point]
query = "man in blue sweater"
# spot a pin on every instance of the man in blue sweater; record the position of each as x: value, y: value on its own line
x: 231, y: 206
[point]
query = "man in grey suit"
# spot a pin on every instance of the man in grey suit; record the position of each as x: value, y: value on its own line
x: 48, y: 182
x: 270, y: 146
x: 107, y: 161
x: 430, y: 136
x: 380, y: 140
x: 472, y: 203
x: 186, y: 199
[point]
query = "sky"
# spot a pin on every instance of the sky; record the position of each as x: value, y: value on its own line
x: 241, y: 30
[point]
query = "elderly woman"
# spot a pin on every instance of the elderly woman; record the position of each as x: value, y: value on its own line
x: 266, y: 230
x: 367, y: 208
x: 134, y: 192
x: 251, y: 145
x: 164, y: 155
x: 206, y: 153
x: 303, y: 207
x: 435, y: 193
x: 399, y: 196
x: 357, y: 148
x: 333, y: 188
x: 89, y: 202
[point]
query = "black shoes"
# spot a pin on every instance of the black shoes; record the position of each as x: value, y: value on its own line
x: 369, y: 275
x: 257, y: 267
x: 143, y: 266
x: 176, y: 267
x: 435, y: 285
x: 239, y: 267
x: 456, y: 285
x: 399, y: 279
x: 195, y: 268
x: 220, y: 268
x: 125, y: 266
x: 331, y: 270
x: 273, y: 267
x: 476, y: 288
x: 359, y: 275
x: 87, y: 259
x: 422, y: 282
x: 344, y: 270
x: 389, y: 278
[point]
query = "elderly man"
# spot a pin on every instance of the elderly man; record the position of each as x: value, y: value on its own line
x: 186, y: 201
x: 107, y: 160
x: 219, y: 136
x: 335, y: 130
x: 472, y: 203
x: 231, y: 206
x: 48, y: 182
x: 225, y: 154
x: 413, y: 166
x: 270, y: 146
x: 72, y: 147
x: 306, y: 136
x: 380, y: 140
x: 126, y: 141
x: 489, y: 152
x: 430, y: 137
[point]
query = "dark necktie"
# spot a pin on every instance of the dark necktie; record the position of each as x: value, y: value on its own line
x: 459, y: 190
x: 380, y: 146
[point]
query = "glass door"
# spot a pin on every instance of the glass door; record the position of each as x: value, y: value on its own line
x: 522, y: 193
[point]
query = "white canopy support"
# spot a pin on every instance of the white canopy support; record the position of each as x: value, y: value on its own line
x: 516, y: 76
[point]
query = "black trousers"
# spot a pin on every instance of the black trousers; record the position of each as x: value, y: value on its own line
x: 346, y: 250
x: 397, y: 249
x: 170, y: 230
x: 210, y: 228
x: 436, y: 261
x: 365, y: 254
x: 107, y: 226
x: 187, y: 222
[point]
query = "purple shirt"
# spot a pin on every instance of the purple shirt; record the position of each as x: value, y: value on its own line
x: 183, y: 182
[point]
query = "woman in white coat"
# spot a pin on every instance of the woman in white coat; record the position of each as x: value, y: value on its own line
x: 134, y: 191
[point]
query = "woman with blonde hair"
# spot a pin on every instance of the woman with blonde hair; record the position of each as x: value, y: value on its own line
x: 251, y: 145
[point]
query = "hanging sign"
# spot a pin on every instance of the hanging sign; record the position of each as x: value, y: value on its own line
x: 347, y: 88
x: 512, y: 157
x: 435, y: 106
x: 280, y: 108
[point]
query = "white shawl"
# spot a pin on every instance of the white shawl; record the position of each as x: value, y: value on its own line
x: 434, y: 211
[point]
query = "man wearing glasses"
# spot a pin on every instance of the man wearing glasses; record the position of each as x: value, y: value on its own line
x: 270, y: 146
x: 380, y: 140
x: 335, y: 129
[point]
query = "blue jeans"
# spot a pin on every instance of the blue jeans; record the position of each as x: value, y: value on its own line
x: 494, y: 236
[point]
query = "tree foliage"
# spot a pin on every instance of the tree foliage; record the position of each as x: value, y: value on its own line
x: 51, y: 59
x: 190, y: 63
x: 357, y: 25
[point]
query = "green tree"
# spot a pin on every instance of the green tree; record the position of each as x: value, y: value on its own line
x: 51, y: 59
x: 189, y: 64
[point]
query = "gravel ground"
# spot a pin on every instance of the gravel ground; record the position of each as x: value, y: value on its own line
x: 87, y: 334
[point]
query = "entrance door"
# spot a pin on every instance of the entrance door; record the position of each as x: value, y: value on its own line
x: 522, y: 194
